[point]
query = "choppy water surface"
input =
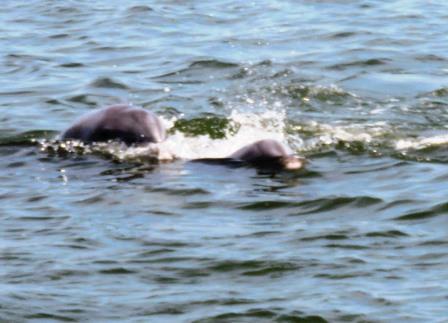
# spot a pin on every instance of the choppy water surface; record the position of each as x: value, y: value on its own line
x: 105, y: 233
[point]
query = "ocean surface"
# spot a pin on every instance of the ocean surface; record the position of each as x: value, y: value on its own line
x: 106, y: 233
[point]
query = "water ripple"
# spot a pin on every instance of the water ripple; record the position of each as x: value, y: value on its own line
x: 105, y: 232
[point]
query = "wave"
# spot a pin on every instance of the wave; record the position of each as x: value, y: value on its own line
x: 421, y: 143
x: 308, y: 119
x: 217, y: 136
x: 27, y: 138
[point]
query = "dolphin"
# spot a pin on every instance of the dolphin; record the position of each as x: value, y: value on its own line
x: 122, y: 122
x: 268, y: 153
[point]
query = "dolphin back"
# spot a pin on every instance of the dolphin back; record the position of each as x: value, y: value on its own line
x: 119, y: 122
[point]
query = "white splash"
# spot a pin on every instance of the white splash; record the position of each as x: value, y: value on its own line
x: 330, y: 134
x: 252, y: 126
x: 269, y: 124
x: 422, y: 142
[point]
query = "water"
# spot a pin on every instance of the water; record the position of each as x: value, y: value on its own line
x: 104, y: 233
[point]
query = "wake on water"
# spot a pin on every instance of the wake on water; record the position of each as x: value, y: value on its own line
x: 251, y: 119
x: 251, y: 127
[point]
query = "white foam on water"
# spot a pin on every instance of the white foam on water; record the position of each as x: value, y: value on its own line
x: 269, y: 124
x: 422, y: 142
x: 330, y: 134
x: 255, y: 120
x: 252, y: 126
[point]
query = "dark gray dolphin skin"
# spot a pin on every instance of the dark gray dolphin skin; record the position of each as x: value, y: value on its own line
x: 121, y: 122
x: 268, y: 153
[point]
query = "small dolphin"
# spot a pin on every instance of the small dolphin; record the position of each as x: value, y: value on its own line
x: 268, y: 153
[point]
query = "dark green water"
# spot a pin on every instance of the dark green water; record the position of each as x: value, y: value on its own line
x: 106, y: 234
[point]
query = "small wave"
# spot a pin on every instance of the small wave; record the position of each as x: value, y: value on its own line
x: 28, y: 138
x: 362, y: 63
x: 442, y: 92
x: 50, y: 317
x: 82, y: 98
x: 59, y: 36
x: 138, y: 9
x: 212, y: 63
x: 387, y: 234
x: 317, y: 92
x: 343, y: 34
x: 330, y: 204
x: 106, y: 82
x: 117, y: 271
x: 430, y: 58
x: 197, y: 68
x: 257, y: 314
x: 254, y: 267
x: 352, y: 137
x: 422, y: 142
x: 437, y: 210
x: 72, y: 65
x: 115, y: 150
x: 313, y: 206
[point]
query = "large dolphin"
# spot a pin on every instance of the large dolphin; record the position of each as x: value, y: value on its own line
x: 122, y: 122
